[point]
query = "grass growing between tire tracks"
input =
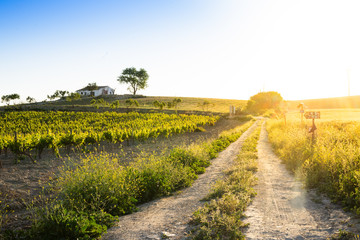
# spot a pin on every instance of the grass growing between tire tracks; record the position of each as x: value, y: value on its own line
x: 221, y: 217
x: 90, y: 194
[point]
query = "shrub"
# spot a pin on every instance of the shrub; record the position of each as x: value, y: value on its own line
x: 188, y: 159
x: 157, y: 177
x: 58, y: 222
x: 98, y: 183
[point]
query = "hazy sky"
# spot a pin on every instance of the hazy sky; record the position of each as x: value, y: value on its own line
x: 197, y: 48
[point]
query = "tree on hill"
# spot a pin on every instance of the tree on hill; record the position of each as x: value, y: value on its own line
x: 136, y: 79
x: 57, y: 94
x: 8, y: 98
x: 30, y: 99
x: 176, y: 102
x: 91, y: 87
x: 263, y: 101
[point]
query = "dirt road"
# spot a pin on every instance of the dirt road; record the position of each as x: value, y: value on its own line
x: 169, y: 216
x: 281, y: 210
x: 284, y: 210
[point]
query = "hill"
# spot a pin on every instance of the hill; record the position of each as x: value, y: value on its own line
x: 327, y: 103
x: 188, y: 104
x: 145, y: 104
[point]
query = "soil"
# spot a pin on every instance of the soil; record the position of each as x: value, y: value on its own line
x: 168, y: 217
x: 283, y: 209
x: 21, y: 181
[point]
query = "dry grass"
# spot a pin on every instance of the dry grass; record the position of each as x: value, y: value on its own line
x: 329, y: 115
x: 328, y: 103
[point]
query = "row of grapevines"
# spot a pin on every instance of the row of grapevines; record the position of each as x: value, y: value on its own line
x: 22, y: 132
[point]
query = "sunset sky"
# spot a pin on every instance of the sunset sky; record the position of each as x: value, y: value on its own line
x: 190, y: 48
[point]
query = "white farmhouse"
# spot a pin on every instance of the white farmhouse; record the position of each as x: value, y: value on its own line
x: 100, y: 90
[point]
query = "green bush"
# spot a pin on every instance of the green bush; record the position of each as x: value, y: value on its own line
x: 58, y: 222
x: 98, y: 183
x: 160, y: 176
x: 188, y: 159
x: 223, y: 142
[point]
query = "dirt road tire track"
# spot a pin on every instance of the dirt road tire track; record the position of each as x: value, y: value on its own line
x: 171, y: 214
x: 282, y: 208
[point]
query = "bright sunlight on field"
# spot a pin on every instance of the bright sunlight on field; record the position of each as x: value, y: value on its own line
x: 329, y: 115
x: 330, y: 160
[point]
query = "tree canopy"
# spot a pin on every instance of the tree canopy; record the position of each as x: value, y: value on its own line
x: 136, y: 79
x: 57, y: 94
x: 92, y: 87
x: 263, y: 101
x: 8, y: 98
x: 30, y: 99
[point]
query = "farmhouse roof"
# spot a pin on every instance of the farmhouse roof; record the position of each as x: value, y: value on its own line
x: 89, y: 88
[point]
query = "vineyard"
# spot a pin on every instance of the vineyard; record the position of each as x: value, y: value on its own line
x: 86, y: 192
x: 24, y: 133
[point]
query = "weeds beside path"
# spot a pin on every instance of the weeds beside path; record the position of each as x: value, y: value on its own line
x: 171, y: 214
x: 222, y: 215
x: 282, y: 209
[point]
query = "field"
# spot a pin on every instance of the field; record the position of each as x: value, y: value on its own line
x: 329, y: 114
x: 24, y: 132
x: 188, y: 104
x: 328, y: 162
x: 89, y: 167
x: 351, y: 102
x: 131, y: 157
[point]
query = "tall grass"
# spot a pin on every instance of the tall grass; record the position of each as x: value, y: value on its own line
x: 331, y: 163
x: 92, y: 192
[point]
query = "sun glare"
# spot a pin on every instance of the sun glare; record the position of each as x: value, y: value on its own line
x: 310, y: 49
